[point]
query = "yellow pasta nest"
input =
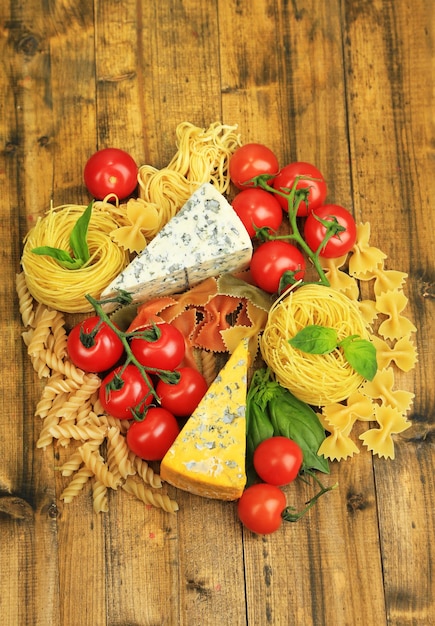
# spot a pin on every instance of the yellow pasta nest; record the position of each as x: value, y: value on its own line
x: 64, y: 289
x: 313, y: 378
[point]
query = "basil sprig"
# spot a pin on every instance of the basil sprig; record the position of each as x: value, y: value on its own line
x: 272, y: 410
x: 359, y: 353
x: 78, y: 242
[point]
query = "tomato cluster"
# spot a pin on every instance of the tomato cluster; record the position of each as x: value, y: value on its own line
x: 277, y: 461
x: 143, y: 379
x: 266, y: 193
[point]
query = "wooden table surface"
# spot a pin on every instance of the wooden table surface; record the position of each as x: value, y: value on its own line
x: 345, y: 84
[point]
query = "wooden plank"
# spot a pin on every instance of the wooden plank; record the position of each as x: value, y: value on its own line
x: 347, y: 86
x: 389, y: 59
x: 309, y: 95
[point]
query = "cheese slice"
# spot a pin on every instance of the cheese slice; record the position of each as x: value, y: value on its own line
x: 205, y: 238
x: 208, y: 456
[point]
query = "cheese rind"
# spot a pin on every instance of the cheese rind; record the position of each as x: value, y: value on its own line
x: 205, y: 238
x: 208, y: 456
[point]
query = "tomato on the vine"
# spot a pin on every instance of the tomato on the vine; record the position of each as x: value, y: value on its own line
x: 125, y: 392
x: 271, y: 260
x: 152, y: 437
x: 182, y: 397
x: 159, y: 346
x: 341, y: 242
x: 93, y: 346
x: 277, y: 460
x: 311, y: 178
x: 258, y: 208
x: 250, y: 160
x: 260, y: 508
x: 110, y: 171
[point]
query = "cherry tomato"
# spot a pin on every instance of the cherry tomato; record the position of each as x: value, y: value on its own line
x: 260, y: 508
x: 94, y: 351
x: 337, y: 245
x: 286, y: 179
x: 161, y: 347
x: 108, y: 171
x: 183, y: 397
x: 251, y: 160
x: 271, y: 260
x: 125, y: 391
x: 257, y: 207
x: 152, y: 437
x: 277, y: 460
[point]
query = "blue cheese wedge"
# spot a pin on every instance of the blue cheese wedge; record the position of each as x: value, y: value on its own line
x: 206, y: 238
x: 208, y: 456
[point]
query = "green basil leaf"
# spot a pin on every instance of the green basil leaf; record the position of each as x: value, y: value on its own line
x: 315, y: 339
x: 61, y: 256
x: 258, y: 426
x: 361, y: 355
x: 79, y: 234
x: 296, y: 420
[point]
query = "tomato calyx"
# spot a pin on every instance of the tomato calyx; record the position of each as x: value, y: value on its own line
x: 87, y: 337
x: 123, y: 297
x: 290, y: 514
x: 294, y: 198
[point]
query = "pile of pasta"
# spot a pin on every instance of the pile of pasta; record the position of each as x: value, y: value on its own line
x: 72, y: 416
x: 380, y: 401
x: 202, y: 155
x: 327, y: 381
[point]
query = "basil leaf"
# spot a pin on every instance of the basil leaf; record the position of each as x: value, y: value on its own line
x: 296, y: 420
x: 315, y: 339
x: 258, y: 426
x: 361, y: 355
x: 79, y: 234
x: 61, y: 256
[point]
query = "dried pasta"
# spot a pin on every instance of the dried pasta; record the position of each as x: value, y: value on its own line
x: 25, y: 300
x: 147, y: 496
x: 317, y: 379
x: 76, y: 484
x: 61, y: 288
x: 202, y: 155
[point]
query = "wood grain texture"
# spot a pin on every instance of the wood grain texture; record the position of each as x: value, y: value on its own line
x: 347, y: 85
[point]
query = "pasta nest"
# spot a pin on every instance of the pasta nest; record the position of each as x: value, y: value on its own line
x: 64, y: 289
x: 317, y: 379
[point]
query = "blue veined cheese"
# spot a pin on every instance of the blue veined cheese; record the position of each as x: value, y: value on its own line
x: 206, y: 238
x: 208, y: 456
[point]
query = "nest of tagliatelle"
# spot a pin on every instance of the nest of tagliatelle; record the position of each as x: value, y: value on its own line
x: 317, y: 379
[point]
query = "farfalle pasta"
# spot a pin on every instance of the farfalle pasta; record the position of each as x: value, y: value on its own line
x: 379, y: 440
x: 391, y: 304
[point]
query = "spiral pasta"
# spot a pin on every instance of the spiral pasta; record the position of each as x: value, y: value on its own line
x: 317, y: 379
x: 60, y: 288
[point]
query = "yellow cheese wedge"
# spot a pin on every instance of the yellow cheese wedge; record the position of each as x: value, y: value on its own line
x: 208, y: 456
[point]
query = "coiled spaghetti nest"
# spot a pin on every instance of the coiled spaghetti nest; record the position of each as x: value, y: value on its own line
x: 317, y: 379
x: 64, y: 289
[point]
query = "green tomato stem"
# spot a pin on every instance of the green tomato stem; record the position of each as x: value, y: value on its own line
x: 294, y: 198
x: 131, y: 359
x: 289, y: 514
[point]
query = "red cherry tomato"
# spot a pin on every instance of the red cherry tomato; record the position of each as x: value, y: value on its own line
x: 271, y: 260
x: 110, y: 171
x: 277, y: 460
x: 94, y: 351
x: 257, y: 207
x: 260, y: 508
x: 183, y: 397
x: 124, y: 391
x: 311, y: 177
x: 161, y: 347
x: 152, y: 437
x: 339, y: 244
x: 249, y: 161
